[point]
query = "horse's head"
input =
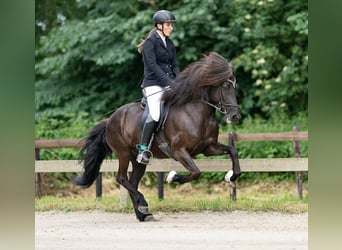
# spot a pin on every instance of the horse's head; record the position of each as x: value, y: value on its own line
x: 217, y: 76
x: 210, y: 80
x: 223, y: 98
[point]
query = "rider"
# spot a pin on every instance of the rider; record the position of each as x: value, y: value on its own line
x: 160, y: 68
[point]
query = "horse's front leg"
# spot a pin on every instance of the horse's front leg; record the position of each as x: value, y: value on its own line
x: 185, y: 159
x: 232, y: 151
x: 220, y: 149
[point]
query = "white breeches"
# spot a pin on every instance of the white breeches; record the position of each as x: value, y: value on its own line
x: 153, y: 95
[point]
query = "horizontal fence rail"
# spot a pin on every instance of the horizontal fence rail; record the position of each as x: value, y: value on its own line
x: 295, y: 164
x: 166, y: 165
x: 283, y: 136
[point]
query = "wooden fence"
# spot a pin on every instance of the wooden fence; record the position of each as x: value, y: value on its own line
x: 294, y: 164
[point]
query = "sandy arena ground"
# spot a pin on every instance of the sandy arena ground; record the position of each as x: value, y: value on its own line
x: 177, y: 231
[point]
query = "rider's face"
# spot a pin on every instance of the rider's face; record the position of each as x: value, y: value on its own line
x: 168, y: 27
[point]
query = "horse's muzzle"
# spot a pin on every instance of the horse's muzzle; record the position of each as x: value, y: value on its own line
x: 232, y: 118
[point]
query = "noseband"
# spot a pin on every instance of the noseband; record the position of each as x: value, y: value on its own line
x: 221, y: 107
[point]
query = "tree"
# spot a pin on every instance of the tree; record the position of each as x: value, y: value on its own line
x: 50, y: 14
x: 89, y: 65
x: 271, y: 55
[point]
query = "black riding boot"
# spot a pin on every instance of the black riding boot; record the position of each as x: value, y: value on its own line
x: 144, y: 153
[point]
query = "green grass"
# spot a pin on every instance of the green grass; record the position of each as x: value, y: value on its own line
x: 270, y: 196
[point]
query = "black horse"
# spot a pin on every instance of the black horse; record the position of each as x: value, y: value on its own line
x: 190, y: 129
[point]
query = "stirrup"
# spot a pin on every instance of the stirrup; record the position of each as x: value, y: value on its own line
x: 144, y: 154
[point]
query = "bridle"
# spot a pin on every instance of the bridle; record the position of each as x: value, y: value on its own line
x: 222, y: 106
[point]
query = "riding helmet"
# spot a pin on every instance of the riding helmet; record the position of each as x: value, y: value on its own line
x: 163, y: 16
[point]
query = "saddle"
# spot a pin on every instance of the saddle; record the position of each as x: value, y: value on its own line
x: 164, y: 112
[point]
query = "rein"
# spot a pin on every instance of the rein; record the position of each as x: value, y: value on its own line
x: 221, y: 105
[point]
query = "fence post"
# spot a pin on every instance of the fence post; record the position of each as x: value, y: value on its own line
x: 37, y: 175
x: 99, y: 186
x: 298, y: 173
x: 231, y: 138
x: 123, y: 197
x: 160, y: 178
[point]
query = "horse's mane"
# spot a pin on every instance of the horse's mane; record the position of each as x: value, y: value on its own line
x: 194, y: 81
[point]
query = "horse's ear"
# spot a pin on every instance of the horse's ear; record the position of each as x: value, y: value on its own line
x: 232, y: 80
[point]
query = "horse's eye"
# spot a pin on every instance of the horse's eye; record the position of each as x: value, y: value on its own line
x: 225, y: 84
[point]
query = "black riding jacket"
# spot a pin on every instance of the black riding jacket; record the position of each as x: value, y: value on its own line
x: 160, y: 66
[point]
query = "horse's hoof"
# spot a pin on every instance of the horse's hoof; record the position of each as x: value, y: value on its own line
x: 228, y: 176
x: 143, y: 214
x: 142, y: 217
x: 149, y: 217
x: 170, y: 176
x: 145, y: 217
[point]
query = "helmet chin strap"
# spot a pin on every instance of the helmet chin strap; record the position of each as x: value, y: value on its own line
x: 162, y: 30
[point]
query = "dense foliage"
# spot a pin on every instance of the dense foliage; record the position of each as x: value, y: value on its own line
x: 87, y: 63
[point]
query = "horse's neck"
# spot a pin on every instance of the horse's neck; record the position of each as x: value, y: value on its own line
x: 201, y: 111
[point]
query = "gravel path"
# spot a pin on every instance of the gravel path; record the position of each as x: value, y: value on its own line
x: 176, y: 231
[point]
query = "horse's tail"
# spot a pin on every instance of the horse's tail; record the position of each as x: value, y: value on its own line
x: 92, y: 154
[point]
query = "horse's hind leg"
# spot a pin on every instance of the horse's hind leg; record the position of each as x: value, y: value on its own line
x: 185, y: 159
